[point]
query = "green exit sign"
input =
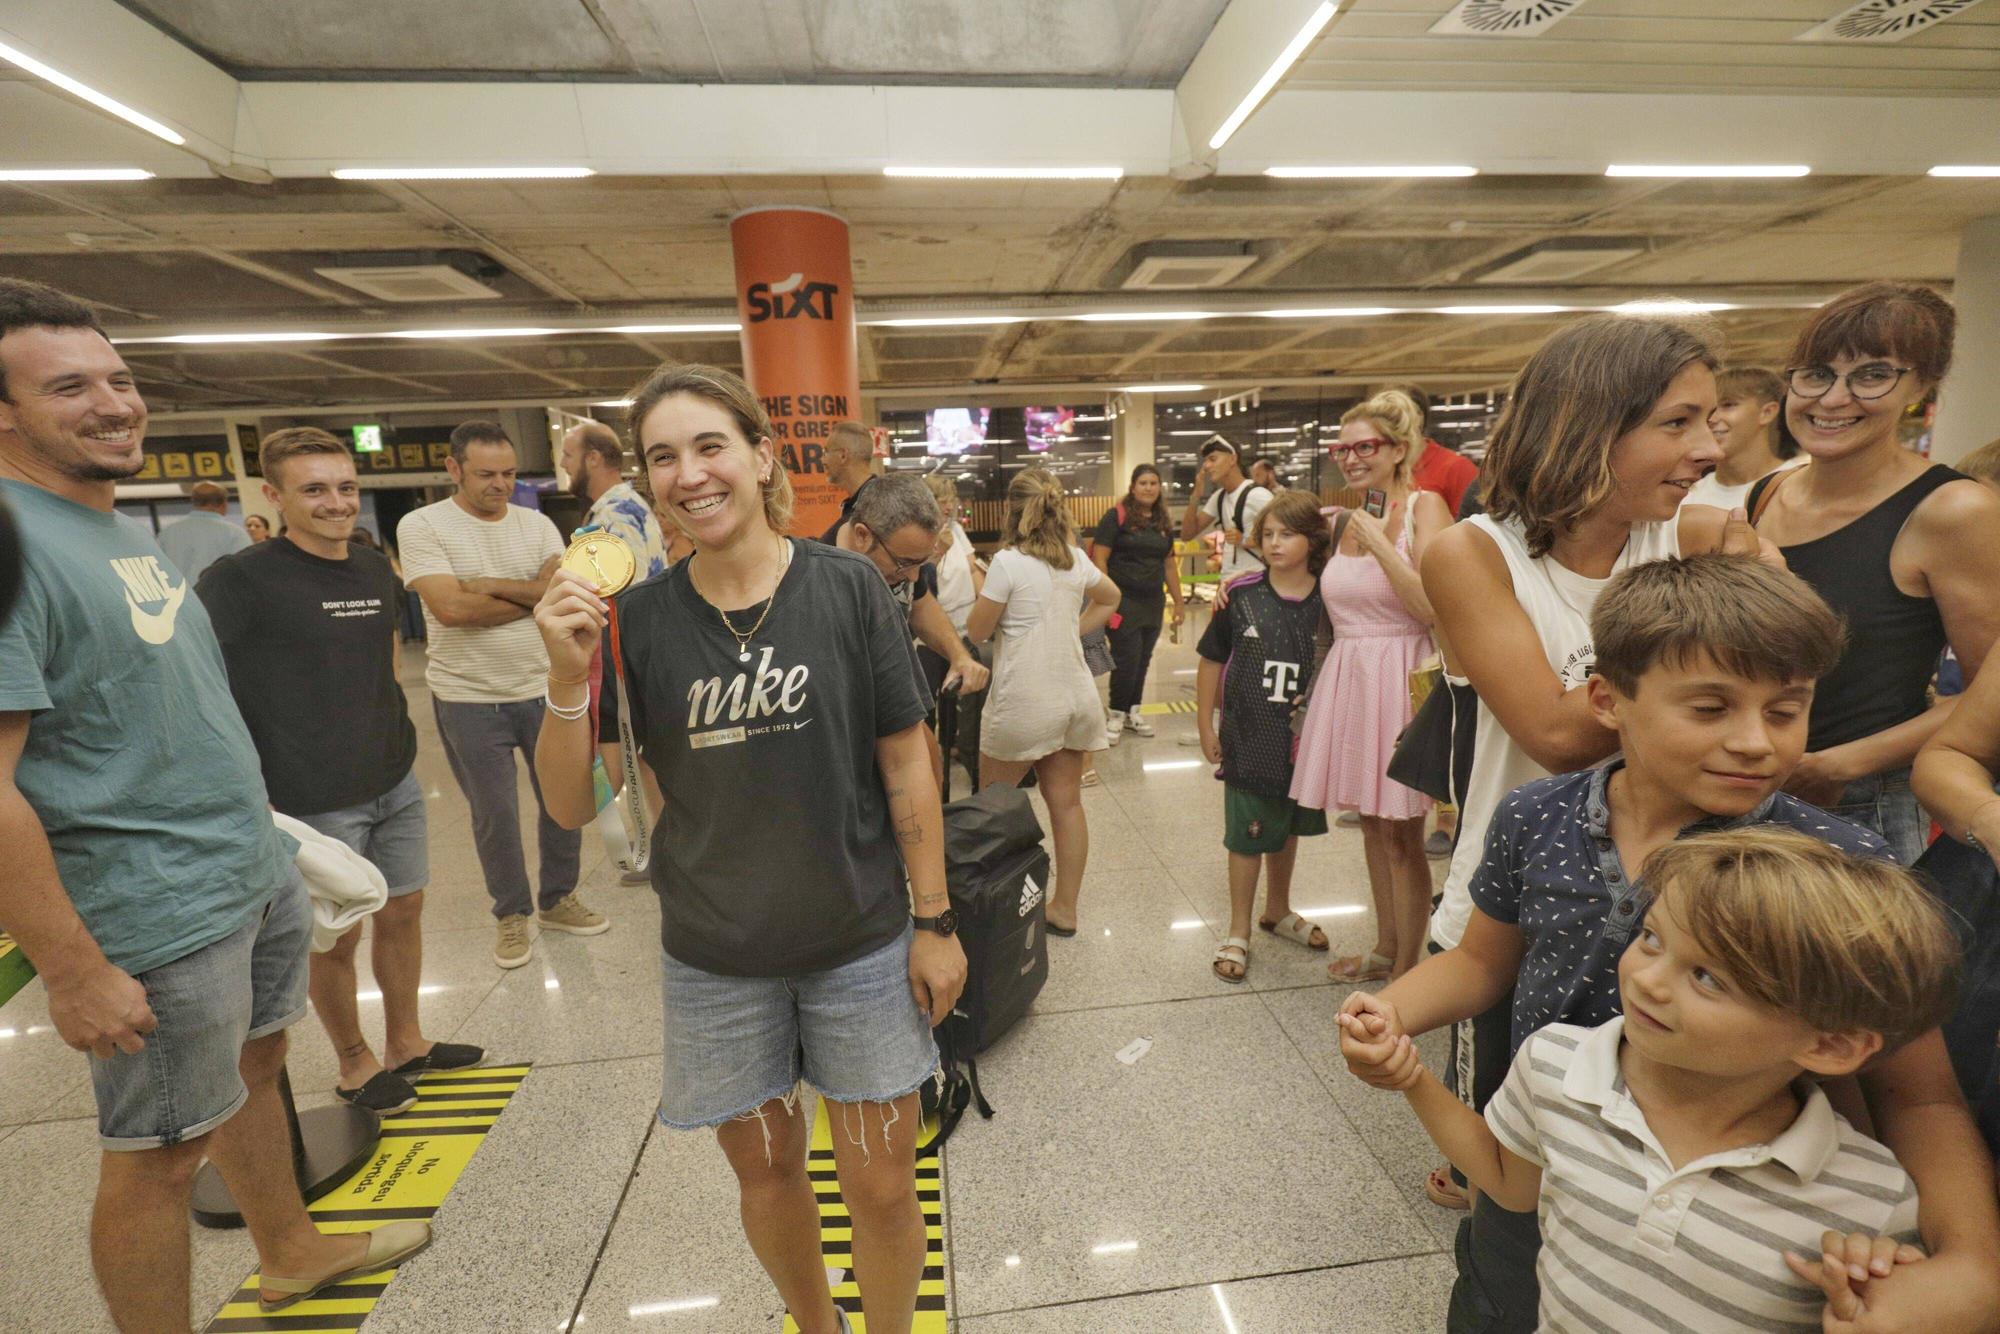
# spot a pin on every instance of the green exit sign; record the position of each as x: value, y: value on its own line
x: 368, y: 439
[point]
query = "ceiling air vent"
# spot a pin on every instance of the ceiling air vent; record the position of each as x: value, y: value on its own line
x: 1503, y: 18
x: 1561, y: 260
x: 411, y: 282
x: 1170, y: 266
x: 1885, y: 20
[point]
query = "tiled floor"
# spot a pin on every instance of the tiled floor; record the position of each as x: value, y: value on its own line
x: 1233, y: 1179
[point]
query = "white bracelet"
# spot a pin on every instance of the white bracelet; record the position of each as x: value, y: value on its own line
x: 567, y: 715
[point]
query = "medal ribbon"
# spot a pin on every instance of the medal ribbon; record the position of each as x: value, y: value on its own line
x: 636, y: 813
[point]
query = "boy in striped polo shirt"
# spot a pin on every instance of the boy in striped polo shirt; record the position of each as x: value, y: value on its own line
x: 1683, y: 1159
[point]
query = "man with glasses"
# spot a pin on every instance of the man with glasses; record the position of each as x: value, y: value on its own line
x: 895, y: 523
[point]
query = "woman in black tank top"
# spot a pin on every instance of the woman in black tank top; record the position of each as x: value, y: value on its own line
x: 1907, y: 551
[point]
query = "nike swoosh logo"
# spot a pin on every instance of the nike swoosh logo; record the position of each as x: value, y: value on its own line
x: 800, y: 727
x: 157, y: 627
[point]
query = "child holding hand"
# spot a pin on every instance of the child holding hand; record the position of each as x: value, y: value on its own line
x: 1688, y: 1172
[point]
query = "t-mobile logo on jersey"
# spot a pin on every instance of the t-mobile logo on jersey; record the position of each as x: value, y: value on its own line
x: 764, y: 693
x: 1282, y: 679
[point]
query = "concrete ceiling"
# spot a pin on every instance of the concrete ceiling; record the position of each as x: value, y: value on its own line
x: 234, y: 233
x: 1034, y: 43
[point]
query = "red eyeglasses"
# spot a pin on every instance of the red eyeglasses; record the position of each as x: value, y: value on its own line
x: 1361, y: 449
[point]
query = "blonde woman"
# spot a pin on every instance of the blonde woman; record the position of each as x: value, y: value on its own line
x: 1042, y: 710
x: 773, y: 693
x: 1361, y: 701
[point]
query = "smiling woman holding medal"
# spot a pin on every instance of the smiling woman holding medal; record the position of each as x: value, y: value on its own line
x: 769, y: 685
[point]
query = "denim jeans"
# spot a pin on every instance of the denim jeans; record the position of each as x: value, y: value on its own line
x: 1884, y: 803
x: 480, y: 741
x: 1496, y: 1291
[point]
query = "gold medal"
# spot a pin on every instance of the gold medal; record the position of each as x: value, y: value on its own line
x: 602, y: 559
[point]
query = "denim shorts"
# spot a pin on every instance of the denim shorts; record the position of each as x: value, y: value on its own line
x: 391, y: 831
x: 185, y: 1082
x: 1884, y: 803
x: 734, y: 1043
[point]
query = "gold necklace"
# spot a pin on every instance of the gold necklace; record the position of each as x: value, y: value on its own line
x: 743, y: 637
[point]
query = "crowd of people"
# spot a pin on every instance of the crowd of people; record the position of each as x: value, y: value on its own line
x: 1723, y: 1012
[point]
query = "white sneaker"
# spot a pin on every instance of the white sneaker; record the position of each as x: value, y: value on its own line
x: 1139, y: 726
x: 1114, y: 726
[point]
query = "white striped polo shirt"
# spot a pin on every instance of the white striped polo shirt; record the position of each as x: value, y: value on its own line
x: 1629, y: 1242
x: 489, y: 664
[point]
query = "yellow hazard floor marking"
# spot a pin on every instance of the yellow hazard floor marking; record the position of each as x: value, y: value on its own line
x: 1170, y: 706
x: 15, y: 970
x: 836, y: 1237
x: 414, y: 1166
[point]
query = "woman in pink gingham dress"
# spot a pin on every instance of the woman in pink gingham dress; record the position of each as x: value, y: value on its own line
x: 1361, y: 698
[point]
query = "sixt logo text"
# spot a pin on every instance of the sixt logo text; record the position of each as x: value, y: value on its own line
x: 792, y: 299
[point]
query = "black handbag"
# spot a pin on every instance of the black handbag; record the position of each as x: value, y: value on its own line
x: 1423, y: 754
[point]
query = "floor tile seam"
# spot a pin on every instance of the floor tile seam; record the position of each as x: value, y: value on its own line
x: 1144, y: 1004
x: 1326, y: 1083
x: 611, y: 1224
x: 1205, y: 1283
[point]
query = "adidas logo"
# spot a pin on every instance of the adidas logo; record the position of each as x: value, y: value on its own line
x: 1251, y: 633
x: 1031, y: 894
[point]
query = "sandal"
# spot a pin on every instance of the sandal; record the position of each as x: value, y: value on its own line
x: 1369, y: 967
x: 1445, y: 1192
x: 388, y: 1246
x: 1297, y: 930
x: 1234, y: 951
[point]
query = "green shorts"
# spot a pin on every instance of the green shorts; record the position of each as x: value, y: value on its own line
x: 1252, y: 824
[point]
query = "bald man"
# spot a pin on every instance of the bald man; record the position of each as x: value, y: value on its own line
x: 204, y: 536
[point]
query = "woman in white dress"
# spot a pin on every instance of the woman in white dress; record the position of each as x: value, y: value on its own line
x: 1042, y: 710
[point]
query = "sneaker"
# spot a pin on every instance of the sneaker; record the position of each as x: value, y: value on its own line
x: 1439, y: 844
x: 631, y: 877
x: 1349, y: 819
x: 1137, y: 725
x: 514, y: 945
x: 1114, y: 725
x: 572, y: 916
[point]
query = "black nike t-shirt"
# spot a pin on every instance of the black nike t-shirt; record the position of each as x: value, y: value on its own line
x: 774, y: 855
x: 1266, y: 643
x: 311, y: 652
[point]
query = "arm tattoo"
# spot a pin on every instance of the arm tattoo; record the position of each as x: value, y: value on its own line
x: 909, y: 830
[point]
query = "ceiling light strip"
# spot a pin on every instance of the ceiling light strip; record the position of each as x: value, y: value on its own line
x: 461, y: 173
x: 1269, y: 80
x: 1714, y: 171
x: 102, y: 101
x: 28, y: 174
x: 1006, y: 173
x: 1331, y: 173
x: 1966, y: 169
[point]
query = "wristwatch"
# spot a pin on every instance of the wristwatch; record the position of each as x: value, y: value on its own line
x: 945, y: 923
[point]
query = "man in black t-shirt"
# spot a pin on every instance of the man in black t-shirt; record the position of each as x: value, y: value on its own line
x: 306, y: 620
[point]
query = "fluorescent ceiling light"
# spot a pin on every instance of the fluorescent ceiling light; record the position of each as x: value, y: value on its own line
x: 1143, y: 316
x: 460, y: 173
x: 201, y: 339
x: 667, y: 329
x: 1007, y: 173
x: 1325, y: 312
x: 1671, y: 307
x: 83, y: 90
x: 1269, y: 80
x: 1364, y: 173
x: 75, y: 174
x: 1966, y: 170
x: 945, y: 321
x: 612, y: 403
x: 477, y: 333
x: 1627, y: 169
x: 1163, y: 388
x: 1500, y: 310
